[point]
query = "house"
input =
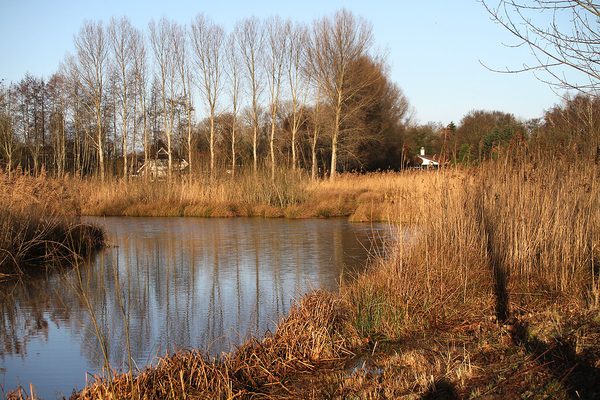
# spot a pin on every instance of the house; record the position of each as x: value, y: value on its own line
x: 425, y: 161
x: 158, y: 167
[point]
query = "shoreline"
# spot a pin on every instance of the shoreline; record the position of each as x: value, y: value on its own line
x: 498, y: 297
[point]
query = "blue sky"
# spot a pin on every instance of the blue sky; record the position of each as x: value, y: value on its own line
x: 435, y: 48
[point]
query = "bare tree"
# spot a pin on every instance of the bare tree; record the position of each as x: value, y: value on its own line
x: 250, y: 37
x: 297, y: 80
x: 23, y: 118
x: 233, y: 72
x: 336, y: 44
x: 208, y: 40
x: 57, y: 92
x: 183, y: 69
x: 8, y: 140
x: 316, y: 124
x: 88, y: 69
x: 575, y: 122
x: 140, y: 75
x: 162, y: 45
x: 121, y: 40
x: 560, y: 33
x: 277, y: 33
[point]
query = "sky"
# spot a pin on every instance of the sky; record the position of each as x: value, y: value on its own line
x: 440, y: 52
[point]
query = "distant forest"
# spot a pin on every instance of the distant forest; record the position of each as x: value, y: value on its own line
x: 271, y: 94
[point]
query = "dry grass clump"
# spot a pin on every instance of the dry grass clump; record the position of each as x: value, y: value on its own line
x: 376, y: 196
x: 541, y: 225
x: 436, y: 280
x: 483, y: 360
x: 315, y: 333
x: 40, y: 226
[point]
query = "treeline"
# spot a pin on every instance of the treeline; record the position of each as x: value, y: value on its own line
x: 572, y: 125
x: 272, y: 93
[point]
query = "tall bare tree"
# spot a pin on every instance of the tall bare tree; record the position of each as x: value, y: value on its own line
x: 183, y: 67
x: 89, y: 69
x: 8, y: 140
x: 140, y: 76
x: 336, y: 43
x: 250, y: 36
x: 316, y: 117
x: 234, y: 84
x: 57, y: 92
x: 297, y: 80
x: 208, y: 40
x: 277, y: 42
x: 161, y: 36
x: 121, y: 40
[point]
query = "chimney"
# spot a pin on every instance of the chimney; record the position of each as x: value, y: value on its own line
x: 422, y: 151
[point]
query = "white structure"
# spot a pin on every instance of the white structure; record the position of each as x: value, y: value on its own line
x: 158, y: 167
x: 427, y: 161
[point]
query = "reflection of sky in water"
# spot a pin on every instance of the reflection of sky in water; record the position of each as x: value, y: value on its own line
x: 183, y: 282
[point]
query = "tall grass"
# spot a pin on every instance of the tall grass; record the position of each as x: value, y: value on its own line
x: 40, y: 226
x: 315, y: 333
x: 518, y: 233
x: 369, y: 197
x: 245, y: 194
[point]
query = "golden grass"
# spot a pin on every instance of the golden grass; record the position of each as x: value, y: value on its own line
x: 315, y: 333
x: 370, y: 197
x: 505, y: 238
x: 40, y: 226
x: 462, y: 310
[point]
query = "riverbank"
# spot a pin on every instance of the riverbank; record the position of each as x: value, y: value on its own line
x: 317, y: 354
x: 368, y: 197
x: 497, y: 296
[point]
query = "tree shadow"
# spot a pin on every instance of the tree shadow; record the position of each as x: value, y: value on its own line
x: 574, y: 370
x: 441, y: 389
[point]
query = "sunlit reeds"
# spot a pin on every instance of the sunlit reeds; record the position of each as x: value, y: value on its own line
x: 40, y: 226
x: 517, y: 236
x: 315, y: 333
x: 368, y: 197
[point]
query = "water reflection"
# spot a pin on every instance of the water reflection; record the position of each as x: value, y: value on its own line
x: 168, y: 283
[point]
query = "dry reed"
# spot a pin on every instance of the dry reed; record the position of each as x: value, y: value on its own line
x: 315, y: 333
x: 514, y: 237
x: 40, y: 226
x: 507, y: 237
x: 369, y: 197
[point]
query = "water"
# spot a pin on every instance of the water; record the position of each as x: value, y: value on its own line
x: 179, y: 283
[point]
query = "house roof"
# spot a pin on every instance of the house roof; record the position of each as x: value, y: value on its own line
x: 427, y: 160
x: 432, y: 159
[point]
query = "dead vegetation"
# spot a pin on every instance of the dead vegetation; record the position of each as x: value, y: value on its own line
x: 40, y: 226
x: 496, y: 296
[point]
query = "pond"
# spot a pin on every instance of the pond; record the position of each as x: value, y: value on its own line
x: 165, y: 284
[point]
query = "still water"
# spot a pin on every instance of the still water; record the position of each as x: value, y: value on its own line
x: 166, y: 284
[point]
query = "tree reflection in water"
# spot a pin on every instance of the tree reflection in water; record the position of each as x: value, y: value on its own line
x: 169, y: 283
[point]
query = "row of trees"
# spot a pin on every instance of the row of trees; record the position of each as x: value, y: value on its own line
x: 571, y: 125
x: 271, y: 92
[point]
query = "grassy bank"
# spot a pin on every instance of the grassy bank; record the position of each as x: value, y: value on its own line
x: 40, y: 226
x: 369, y: 197
x: 497, y: 295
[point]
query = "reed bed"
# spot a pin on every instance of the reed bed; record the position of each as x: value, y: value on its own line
x: 496, y: 293
x: 502, y: 239
x: 315, y: 333
x: 40, y: 226
x: 368, y: 197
